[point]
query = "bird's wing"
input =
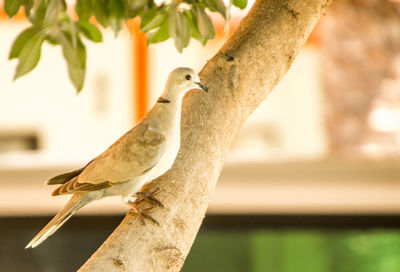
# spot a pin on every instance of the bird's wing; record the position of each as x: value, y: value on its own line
x: 63, y: 178
x: 135, y: 153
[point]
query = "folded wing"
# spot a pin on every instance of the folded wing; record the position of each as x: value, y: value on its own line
x: 135, y: 153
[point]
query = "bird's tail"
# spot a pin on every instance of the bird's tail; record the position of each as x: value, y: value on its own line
x: 76, y: 202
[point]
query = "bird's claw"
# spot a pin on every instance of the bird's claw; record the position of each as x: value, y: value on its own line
x: 149, y: 197
x: 142, y: 213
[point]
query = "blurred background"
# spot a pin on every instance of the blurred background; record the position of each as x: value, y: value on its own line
x: 312, y: 181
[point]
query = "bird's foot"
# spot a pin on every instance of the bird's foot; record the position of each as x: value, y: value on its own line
x: 142, y: 213
x: 148, y: 195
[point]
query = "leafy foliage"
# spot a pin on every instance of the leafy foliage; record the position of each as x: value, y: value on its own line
x: 179, y: 20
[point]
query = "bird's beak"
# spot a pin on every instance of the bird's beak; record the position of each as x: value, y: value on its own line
x: 202, y: 86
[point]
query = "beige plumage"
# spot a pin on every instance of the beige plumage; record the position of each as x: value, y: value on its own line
x: 142, y: 154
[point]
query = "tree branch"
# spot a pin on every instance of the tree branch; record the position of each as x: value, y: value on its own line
x: 239, y: 78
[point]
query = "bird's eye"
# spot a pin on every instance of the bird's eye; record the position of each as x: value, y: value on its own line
x: 188, y: 77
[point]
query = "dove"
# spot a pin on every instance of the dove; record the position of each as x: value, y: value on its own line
x: 141, y: 155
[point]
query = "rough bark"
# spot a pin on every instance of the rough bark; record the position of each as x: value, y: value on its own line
x: 254, y: 59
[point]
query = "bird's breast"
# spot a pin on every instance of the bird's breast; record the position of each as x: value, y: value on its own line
x: 168, y: 158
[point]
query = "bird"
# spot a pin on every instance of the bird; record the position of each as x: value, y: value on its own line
x: 138, y: 157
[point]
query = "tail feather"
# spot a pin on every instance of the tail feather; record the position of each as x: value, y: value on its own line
x: 75, y: 203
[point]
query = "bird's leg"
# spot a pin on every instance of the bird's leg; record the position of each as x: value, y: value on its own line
x: 142, y: 213
x: 148, y: 195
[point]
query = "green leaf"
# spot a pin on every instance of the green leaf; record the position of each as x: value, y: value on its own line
x: 51, y: 40
x: 75, y: 57
x: 152, y: 18
x: 150, y: 4
x: 90, y: 31
x: 133, y: 7
x: 217, y: 5
x: 37, y: 12
x: 51, y: 10
x: 84, y: 9
x: 191, y: 17
x: 101, y: 12
x: 240, y: 3
x: 12, y: 6
x: 28, y: 7
x: 64, y: 4
x: 205, y: 26
x: 179, y: 29
x: 116, y: 14
x: 160, y: 35
x: 29, y: 55
x: 20, y: 42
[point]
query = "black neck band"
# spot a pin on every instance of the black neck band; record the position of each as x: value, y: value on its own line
x: 163, y: 100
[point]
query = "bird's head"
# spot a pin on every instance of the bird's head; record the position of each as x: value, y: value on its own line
x: 182, y: 80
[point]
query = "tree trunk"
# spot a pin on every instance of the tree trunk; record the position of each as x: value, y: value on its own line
x: 239, y: 78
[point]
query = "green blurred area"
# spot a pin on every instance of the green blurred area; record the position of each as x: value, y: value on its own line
x: 295, y: 251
